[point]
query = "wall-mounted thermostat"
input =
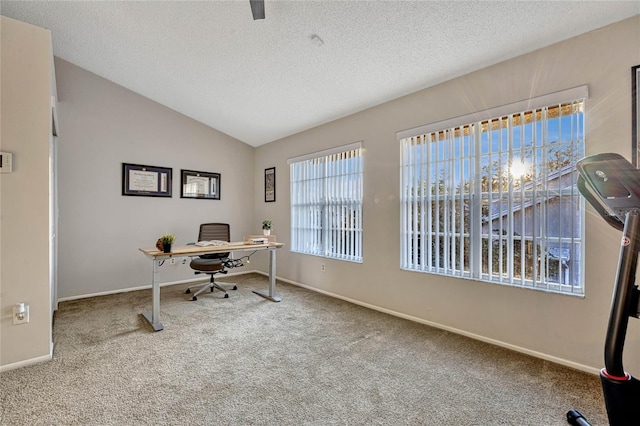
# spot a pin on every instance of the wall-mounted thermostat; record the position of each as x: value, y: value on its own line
x: 6, y: 160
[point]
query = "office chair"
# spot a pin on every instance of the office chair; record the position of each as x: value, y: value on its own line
x: 213, y: 263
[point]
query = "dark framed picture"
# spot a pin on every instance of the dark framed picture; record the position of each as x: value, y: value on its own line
x: 146, y: 181
x: 635, y: 113
x: 270, y: 185
x: 202, y: 185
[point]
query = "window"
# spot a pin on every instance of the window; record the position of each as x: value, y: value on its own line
x: 495, y: 199
x: 326, y: 203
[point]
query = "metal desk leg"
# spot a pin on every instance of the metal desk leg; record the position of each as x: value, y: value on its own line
x: 272, y: 279
x: 154, y: 317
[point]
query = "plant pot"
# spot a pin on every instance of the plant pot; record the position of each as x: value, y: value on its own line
x: 166, y: 248
x: 266, y: 232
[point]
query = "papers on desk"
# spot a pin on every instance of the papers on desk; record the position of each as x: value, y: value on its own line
x: 212, y: 243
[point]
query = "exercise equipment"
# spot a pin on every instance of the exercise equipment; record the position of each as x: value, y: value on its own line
x: 575, y: 418
x: 612, y: 186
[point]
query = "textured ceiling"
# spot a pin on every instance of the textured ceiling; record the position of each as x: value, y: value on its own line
x: 259, y: 81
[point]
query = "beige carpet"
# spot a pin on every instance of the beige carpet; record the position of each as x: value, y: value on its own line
x: 308, y: 360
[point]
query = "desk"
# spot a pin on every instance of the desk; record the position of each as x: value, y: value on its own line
x: 158, y: 257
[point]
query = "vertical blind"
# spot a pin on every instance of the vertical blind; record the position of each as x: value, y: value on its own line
x: 326, y: 204
x: 495, y: 200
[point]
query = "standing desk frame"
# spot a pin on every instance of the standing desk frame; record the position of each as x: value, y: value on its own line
x: 158, y: 258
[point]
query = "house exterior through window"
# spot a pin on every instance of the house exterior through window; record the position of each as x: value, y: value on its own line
x: 496, y: 199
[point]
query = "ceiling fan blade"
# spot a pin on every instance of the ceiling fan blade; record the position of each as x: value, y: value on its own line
x: 257, y: 9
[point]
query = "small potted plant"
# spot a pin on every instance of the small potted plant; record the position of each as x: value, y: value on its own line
x: 266, y: 227
x: 167, y: 240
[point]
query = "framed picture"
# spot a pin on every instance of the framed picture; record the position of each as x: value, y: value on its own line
x: 147, y: 181
x: 635, y: 113
x: 202, y: 185
x: 270, y: 185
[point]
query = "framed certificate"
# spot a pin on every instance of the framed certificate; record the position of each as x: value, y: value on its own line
x: 147, y: 181
x: 202, y: 185
x: 270, y: 185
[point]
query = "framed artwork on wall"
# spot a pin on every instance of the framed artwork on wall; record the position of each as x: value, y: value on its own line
x: 146, y: 181
x: 270, y: 185
x: 201, y: 185
x: 635, y: 114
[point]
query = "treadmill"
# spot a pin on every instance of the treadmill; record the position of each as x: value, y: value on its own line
x: 612, y: 186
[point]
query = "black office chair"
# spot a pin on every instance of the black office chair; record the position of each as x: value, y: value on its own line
x: 213, y: 263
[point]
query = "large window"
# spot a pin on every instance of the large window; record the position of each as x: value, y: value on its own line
x: 496, y: 199
x: 326, y: 203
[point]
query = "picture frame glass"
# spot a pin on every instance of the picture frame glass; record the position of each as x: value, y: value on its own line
x: 147, y: 181
x: 270, y: 185
x: 200, y: 185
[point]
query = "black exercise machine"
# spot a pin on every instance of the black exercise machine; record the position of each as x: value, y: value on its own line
x: 612, y: 186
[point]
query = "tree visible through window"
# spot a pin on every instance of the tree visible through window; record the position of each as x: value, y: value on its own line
x: 496, y: 200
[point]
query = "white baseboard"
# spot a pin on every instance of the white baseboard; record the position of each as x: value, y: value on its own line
x: 536, y: 354
x: 27, y: 362
x: 145, y: 287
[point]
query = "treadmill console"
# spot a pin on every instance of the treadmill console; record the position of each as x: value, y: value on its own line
x: 611, y: 184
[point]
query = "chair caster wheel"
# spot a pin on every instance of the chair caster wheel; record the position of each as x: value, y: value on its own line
x: 211, y: 289
x: 194, y: 298
x: 188, y: 291
x: 226, y: 296
x: 235, y: 287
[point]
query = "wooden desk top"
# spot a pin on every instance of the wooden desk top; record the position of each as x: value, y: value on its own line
x: 196, y: 250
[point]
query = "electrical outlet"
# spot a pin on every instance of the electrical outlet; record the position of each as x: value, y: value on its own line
x: 322, y: 267
x: 172, y: 261
x: 20, y: 317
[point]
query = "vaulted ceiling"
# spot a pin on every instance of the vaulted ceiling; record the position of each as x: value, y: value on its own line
x: 308, y: 62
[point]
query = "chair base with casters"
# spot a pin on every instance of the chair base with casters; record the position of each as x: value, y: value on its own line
x: 210, y: 267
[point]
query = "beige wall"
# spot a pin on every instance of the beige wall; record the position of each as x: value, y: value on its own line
x: 564, y: 328
x: 100, y: 230
x: 26, y: 67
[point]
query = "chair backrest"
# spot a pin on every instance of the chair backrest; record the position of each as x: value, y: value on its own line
x: 215, y: 231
